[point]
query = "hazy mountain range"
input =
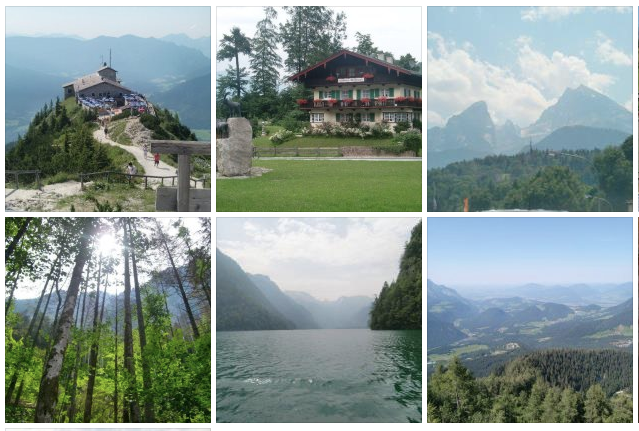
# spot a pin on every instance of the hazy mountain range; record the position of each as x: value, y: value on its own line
x: 472, y: 133
x: 253, y: 302
x: 37, y: 67
x: 498, y: 325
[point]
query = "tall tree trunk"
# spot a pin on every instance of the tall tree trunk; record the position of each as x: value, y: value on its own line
x: 44, y: 289
x: 49, y: 387
x: 149, y: 416
x: 196, y: 333
x: 14, y: 285
x: 166, y: 307
x: 78, y: 351
x: 93, y: 356
x: 14, y: 242
x: 115, y: 393
x: 237, y: 73
x: 133, y: 408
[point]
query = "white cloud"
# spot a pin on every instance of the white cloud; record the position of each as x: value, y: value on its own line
x: 456, y: 80
x: 553, y: 13
x: 322, y: 258
x: 434, y: 119
x: 607, y: 53
x: 628, y: 105
x: 550, y: 13
x: 552, y: 75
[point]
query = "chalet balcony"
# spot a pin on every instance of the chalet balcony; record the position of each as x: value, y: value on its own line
x: 399, y: 102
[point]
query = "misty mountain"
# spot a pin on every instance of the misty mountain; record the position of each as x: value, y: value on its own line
x: 445, y: 304
x: 581, y: 106
x: 191, y: 99
x: 442, y: 333
x: 239, y: 304
x: 342, y: 313
x: 491, y: 318
x: 290, y: 309
x: 472, y: 133
x: 580, y: 138
x: 202, y: 44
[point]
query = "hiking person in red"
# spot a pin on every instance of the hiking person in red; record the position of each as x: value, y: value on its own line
x: 156, y: 159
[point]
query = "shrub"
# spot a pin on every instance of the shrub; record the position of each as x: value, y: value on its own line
x: 281, y: 137
x: 402, y: 126
x: 411, y: 140
x: 381, y: 130
x: 391, y: 149
x: 122, y: 115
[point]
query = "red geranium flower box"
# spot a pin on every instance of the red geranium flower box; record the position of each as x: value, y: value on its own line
x: 302, y: 101
x: 365, y: 100
x: 331, y: 79
x: 332, y: 101
x: 368, y: 76
x: 411, y: 99
x: 348, y: 101
x: 400, y: 99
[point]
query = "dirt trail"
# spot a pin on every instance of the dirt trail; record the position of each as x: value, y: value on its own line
x: 39, y: 200
x: 162, y: 170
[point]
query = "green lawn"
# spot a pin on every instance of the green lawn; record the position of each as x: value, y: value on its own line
x: 471, y: 348
x: 325, y: 186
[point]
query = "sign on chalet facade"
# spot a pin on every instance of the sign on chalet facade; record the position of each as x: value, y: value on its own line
x: 353, y: 87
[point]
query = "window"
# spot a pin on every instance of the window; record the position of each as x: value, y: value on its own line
x: 366, y: 94
x: 317, y: 118
x: 351, y: 72
x: 344, y: 94
x: 368, y: 117
x: 406, y: 92
x: 396, y: 117
x: 385, y: 92
x: 343, y: 118
x: 417, y: 93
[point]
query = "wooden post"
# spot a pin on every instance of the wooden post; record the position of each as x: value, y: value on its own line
x: 172, y: 181
x: 81, y: 182
x: 184, y: 182
x: 17, y: 183
x: 38, y: 179
x: 146, y: 185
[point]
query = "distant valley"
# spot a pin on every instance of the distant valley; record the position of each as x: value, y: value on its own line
x: 492, y: 330
x: 254, y: 302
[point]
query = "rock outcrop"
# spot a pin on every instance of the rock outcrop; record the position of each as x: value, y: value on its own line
x: 234, y: 154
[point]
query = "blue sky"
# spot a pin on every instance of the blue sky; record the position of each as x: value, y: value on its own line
x: 115, y: 21
x: 325, y: 257
x: 513, y: 251
x: 520, y: 60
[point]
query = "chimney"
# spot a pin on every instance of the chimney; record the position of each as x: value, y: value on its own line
x: 380, y: 56
x: 389, y: 59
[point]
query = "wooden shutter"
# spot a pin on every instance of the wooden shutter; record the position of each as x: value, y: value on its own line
x: 391, y: 92
x: 372, y: 114
x: 359, y: 94
x: 350, y: 94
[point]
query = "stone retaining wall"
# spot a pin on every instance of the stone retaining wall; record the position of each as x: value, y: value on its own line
x: 371, y: 152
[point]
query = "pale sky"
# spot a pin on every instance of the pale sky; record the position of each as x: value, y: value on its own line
x: 325, y: 257
x: 394, y: 29
x: 28, y: 289
x: 91, y: 22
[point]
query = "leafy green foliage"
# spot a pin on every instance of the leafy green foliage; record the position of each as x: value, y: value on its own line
x: 534, y: 180
x: 533, y: 389
x: 399, y: 305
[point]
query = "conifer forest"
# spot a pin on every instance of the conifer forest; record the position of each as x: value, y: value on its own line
x: 107, y: 320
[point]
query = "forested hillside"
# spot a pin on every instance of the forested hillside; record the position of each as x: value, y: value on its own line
x: 59, y: 142
x: 78, y: 357
x: 399, y: 305
x: 552, y: 180
x: 550, y: 386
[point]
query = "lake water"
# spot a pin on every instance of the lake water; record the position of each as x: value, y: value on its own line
x: 324, y: 375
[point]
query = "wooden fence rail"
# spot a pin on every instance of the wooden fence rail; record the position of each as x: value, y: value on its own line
x: 107, y: 176
x: 16, y: 175
x: 298, y: 151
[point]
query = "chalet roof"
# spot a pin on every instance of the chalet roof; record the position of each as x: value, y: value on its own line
x: 92, y: 80
x: 346, y: 52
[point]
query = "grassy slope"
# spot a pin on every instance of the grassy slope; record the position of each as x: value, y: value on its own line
x: 325, y: 186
